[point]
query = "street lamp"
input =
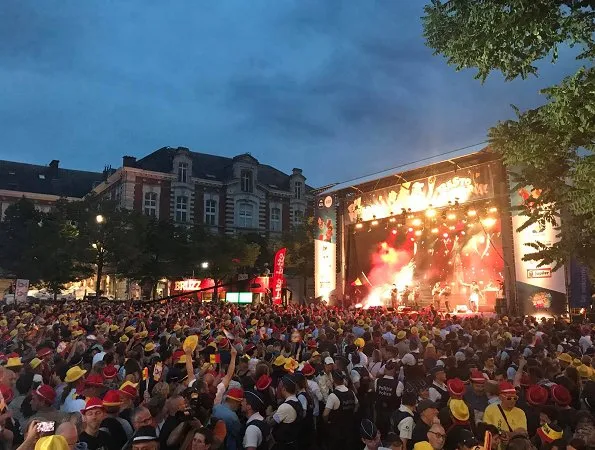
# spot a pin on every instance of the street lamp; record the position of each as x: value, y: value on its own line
x: 204, y: 265
x: 99, y: 218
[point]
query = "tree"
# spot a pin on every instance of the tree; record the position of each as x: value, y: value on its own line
x: 550, y: 148
x: 299, y: 259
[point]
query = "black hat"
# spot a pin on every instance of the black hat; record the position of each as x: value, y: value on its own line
x: 145, y: 434
x: 368, y: 430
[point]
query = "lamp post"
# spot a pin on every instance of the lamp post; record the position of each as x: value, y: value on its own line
x: 99, y: 247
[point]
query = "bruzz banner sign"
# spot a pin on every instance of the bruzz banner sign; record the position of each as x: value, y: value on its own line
x: 278, y: 276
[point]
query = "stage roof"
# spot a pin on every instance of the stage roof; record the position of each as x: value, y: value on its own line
x: 407, y: 167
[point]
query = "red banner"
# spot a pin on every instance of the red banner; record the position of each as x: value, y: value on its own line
x: 278, y: 277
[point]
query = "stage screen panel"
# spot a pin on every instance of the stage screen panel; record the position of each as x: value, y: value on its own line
x: 417, y: 255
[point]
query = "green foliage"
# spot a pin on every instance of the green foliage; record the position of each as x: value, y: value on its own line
x: 550, y: 148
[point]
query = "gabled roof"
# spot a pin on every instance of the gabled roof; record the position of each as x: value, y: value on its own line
x: 21, y: 177
x: 213, y: 167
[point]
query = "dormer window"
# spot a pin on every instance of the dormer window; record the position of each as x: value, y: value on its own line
x: 298, y: 190
x: 183, y: 172
x: 247, y: 181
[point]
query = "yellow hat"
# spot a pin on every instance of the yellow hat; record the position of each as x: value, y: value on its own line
x: 74, y: 373
x: 459, y: 409
x: 124, y: 339
x: 35, y: 362
x: 54, y: 442
x: 359, y: 342
x: 401, y: 334
x: 14, y: 362
x: 584, y: 371
x: 576, y: 362
x: 423, y: 445
x: 149, y: 347
x: 279, y: 361
x: 565, y: 357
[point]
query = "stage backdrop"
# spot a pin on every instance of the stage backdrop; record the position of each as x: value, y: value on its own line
x: 325, y: 248
x: 540, y: 290
x: 454, y: 251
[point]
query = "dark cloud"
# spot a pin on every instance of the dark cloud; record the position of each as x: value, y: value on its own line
x: 338, y: 88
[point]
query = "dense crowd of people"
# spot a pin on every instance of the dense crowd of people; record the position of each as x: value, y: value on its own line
x: 215, y: 376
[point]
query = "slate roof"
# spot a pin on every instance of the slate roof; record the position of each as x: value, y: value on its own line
x: 211, y: 167
x: 21, y: 177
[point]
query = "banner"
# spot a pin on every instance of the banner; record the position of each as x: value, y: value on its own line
x: 21, y: 290
x: 325, y: 248
x: 437, y: 191
x: 540, y: 290
x: 278, y: 277
x: 580, y: 286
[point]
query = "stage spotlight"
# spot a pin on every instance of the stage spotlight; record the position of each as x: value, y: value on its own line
x: 430, y: 212
x: 374, y: 223
x: 488, y: 222
x: 359, y: 226
x: 418, y: 233
x: 451, y: 216
x: 493, y: 209
x: 472, y: 213
x: 416, y: 222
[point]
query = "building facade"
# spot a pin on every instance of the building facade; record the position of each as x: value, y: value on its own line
x: 43, y: 185
x: 227, y: 195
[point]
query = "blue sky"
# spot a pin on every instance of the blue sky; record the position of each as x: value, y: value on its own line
x: 338, y: 88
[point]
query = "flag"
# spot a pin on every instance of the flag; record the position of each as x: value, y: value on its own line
x: 215, y: 358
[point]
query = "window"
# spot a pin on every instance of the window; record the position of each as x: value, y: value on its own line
x: 298, y: 217
x: 245, y: 215
x: 275, y: 219
x: 182, y: 172
x: 298, y: 190
x: 181, y: 209
x: 246, y: 177
x: 211, y: 212
x: 151, y: 204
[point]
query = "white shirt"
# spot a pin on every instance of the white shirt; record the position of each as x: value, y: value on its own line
x: 253, y: 435
x: 285, y: 412
x: 333, y: 401
x: 406, y: 425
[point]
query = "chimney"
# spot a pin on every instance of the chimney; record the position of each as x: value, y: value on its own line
x: 54, y: 164
x: 129, y: 161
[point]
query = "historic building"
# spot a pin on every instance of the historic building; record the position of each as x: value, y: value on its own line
x: 43, y: 185
x: 228, y: 195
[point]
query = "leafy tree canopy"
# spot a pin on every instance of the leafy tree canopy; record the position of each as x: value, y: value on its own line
x: 550, y: 148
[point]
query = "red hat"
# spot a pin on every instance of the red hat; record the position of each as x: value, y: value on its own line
x: 112, y: 398
x: 236, y: 394
x: 312, y: 343
x: 93, y: 403
x: 477, y: 377
x: 110, y: 372
x: 128, y: 390
x: 47, y: 393
x: 456, y: 387
x: 561, y: 395
x: 94, y: 380
x: 7, y: 393
x: 308, y: 370
x: 43, y: 352
x: 224, y: 342
x: 506, y: 388
x: 263, y: 382
x: 536, y: 395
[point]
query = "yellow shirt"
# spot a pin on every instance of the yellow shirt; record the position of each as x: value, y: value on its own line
x: 516, y: 418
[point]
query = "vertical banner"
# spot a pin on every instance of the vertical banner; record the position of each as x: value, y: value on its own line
x: 278, y: 277
x: 580, y: 286
x: 540, y: 290
x: 21, y: 290
x: 325, y: 248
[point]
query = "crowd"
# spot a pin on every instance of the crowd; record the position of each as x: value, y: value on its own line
x: 214, y: 376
